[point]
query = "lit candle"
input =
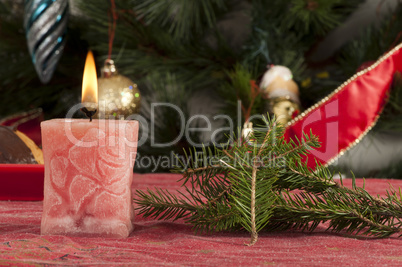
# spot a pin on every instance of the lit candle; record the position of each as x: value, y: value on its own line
x: 88, y: 171
x: 89, y: 87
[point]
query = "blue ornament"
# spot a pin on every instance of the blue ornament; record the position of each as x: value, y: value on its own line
x: 45, y: 24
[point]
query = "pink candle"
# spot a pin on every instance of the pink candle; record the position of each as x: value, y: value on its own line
x: 88, y: 176
x: 88, y: 170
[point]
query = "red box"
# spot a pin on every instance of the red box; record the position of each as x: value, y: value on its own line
x: 21, y: 182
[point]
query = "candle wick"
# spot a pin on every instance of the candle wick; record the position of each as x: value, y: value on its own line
x: 89, y: 113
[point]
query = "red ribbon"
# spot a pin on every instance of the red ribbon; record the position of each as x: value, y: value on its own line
x: 341, y: 119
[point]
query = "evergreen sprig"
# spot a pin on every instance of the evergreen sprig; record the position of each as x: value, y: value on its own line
x: 249, y: 185
x: 353, y: 210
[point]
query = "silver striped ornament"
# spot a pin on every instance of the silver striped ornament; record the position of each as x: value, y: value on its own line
x: 45, y: 23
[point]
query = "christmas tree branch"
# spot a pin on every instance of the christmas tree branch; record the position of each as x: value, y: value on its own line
x: 343, y: 212
x: 313, y: 179
x: 255, y: 194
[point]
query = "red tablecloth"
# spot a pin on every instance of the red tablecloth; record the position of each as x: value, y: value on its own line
x: 167, y: 243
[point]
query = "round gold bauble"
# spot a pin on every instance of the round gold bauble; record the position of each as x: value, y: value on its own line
x: 118, y: 95
x: 284, y: 109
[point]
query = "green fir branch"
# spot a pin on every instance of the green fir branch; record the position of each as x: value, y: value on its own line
x: 344, y: 210
x: 246, y: 191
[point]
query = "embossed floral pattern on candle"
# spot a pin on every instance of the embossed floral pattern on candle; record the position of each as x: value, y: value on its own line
x: 87, y: 187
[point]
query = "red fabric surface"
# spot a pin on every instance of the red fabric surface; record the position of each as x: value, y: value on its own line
x: 167, y: 243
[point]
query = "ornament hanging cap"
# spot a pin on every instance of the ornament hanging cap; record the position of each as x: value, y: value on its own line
x: 109, y: 69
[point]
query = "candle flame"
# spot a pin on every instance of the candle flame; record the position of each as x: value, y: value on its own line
x: 90, y: 81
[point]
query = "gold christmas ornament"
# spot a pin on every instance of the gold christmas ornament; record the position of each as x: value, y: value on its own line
x: 118, y: 95
x: 281, y: 93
